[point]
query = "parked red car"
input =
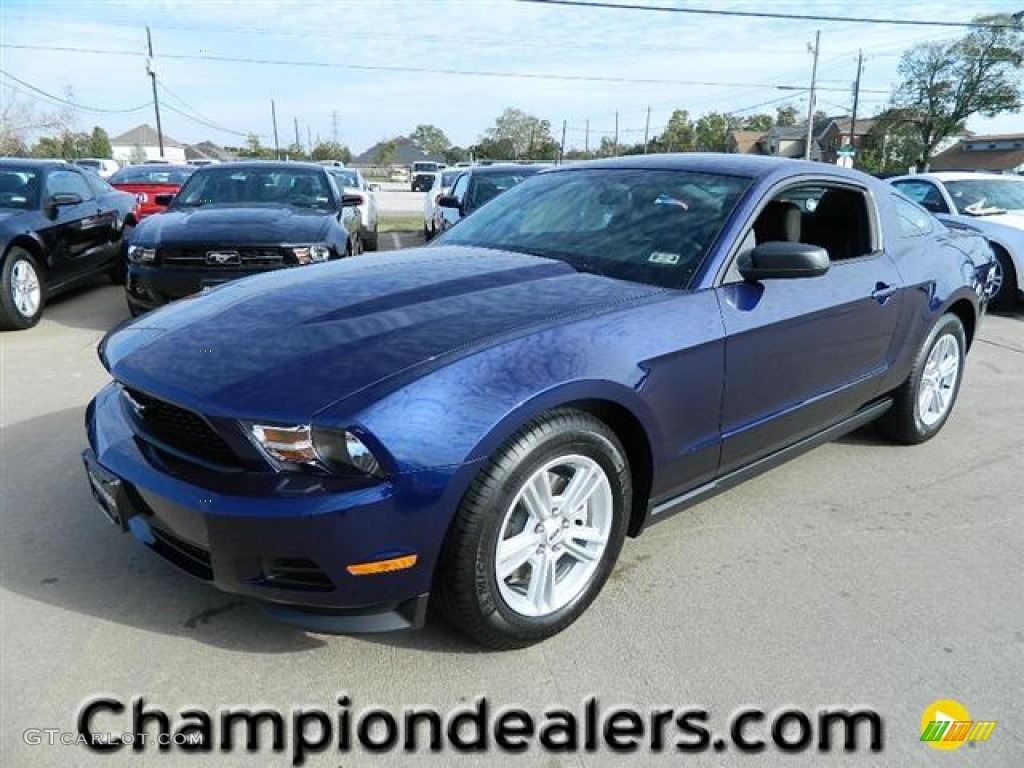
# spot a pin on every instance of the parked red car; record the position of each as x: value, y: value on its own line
x: 148, y: 181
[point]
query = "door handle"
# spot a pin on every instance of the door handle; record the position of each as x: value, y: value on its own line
x: 883, y: 292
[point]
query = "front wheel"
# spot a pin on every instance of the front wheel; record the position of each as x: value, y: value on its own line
x: 538, y: 532
x: 371, y: 241
x: 924, y: 401
x: 22, y: 291
x: 1003, y: 285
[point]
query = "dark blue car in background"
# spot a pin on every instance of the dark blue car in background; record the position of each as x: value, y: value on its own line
x: 484, y: 421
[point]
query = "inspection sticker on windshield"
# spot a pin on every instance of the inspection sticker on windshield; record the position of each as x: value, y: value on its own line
x: 663, y: 257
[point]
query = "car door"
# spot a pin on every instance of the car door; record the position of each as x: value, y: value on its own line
x: 802, y: 354
x: 449, y: 217
x: 79, y: 233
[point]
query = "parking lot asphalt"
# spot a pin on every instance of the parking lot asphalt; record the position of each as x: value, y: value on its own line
x: 396, y: 199
x: 861, y: 575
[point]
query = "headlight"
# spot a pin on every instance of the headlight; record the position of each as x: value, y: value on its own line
x: 309, y: 254
x: 305, y: 447
x: 139, y: 254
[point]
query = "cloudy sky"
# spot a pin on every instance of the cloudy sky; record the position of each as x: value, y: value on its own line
x: 371, y: 69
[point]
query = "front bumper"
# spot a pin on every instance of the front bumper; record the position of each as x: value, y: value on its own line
x: 151, y: 287
x: 283, y: 540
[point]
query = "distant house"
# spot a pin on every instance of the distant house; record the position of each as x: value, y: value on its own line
x: 207, y: 151
x: 141, y: 143
x: 1002, y: 153
x: 780, y: 141
x: 840, y: 132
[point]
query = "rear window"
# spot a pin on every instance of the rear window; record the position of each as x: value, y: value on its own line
x: 19, y: 188
x: 151, y: 174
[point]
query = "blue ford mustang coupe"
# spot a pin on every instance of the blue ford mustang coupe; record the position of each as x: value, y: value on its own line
x: 483, y: 421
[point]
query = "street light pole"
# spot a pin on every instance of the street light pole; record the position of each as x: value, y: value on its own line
x: 156, y: 100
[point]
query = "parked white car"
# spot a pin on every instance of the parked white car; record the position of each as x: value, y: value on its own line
x: 102, y: 167
x: 352, y: 182
x: 991, y: 203
x: 442, y: 184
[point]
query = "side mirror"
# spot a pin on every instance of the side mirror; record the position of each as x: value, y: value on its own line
x: 781, y: 260
x: 449, y: 201
x: 64, y: 198
x: 349, y: 201
x: 164, y: 199
x: 374, y: 187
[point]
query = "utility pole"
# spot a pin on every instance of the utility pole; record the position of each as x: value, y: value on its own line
x: 856, y: 101
x: 810, y: 100
x: 273, y: 115
x: 156, y: 101
x: 334, y: 126
x: 309, y: 139
x: 586, y: 139
x: 647, y: 129
x: 561, y: 149
x: 297, y: 144
x: 616, y: 134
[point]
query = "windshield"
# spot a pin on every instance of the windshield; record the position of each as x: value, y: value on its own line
x: 19, y: 188
x: 987, y: 196
x: 425, y: 167
x: 94, y: 164
x: 300, y: 187
x: 447, y: 177
x: 650, y: 227
x: 346, y: 178
x: 146, y: 174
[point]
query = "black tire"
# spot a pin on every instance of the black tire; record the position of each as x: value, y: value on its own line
x: 466, y: 584
x: 1006, y: 296
x: 904, y: 421
x: 371, y: 241
x: 11, y: 316
x: 119, y: 271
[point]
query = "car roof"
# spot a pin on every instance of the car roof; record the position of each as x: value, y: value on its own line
x: 957, y: 176
x: 282, y: 165
x: 32, y: 163
x: 503, y: 168
x: 161, y: 169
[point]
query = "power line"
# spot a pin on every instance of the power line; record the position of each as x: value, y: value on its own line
x: 448, y: 71
x: 770, y: 15
x: 68, y: 102
x: 198, y: 117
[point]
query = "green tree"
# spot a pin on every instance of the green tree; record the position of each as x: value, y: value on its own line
x: 679, y: 135
x: 99, y: 143
x: 431, y: 140
x: 331, y: 150
x: 494, y: 149
x: 712, y: 131
x: 253, y: 148
x: 454, y: 155
x: 527, y: 136
x: 762, y: 122
x: 387, y: 152
x: 944, y: 84
x: 786, y: 115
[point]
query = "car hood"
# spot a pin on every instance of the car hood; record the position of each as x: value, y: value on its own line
x: 287, y: 344
x: 234, y: 225
x: 10, y: 213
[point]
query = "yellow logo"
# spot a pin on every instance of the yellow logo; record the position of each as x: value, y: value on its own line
x: 946, y: 724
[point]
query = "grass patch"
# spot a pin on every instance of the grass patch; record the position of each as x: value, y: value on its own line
x: 407, y: 223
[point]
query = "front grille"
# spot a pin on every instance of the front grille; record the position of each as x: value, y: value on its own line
x: 297, y: 573
x: 180, y: 429
x: 186, y: 555
x: 249, y: 257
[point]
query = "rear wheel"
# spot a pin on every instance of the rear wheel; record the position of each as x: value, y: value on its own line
x: 538, y: 533
x: 119, y: 271
x: 925, y: 400
x: 22, y: 291
x: 1004, y: 280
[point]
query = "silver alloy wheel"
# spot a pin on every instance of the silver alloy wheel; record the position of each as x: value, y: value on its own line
x: 938, y: 381
x: 995, y: 279
x: 553, y: 536
x: 25, y: 290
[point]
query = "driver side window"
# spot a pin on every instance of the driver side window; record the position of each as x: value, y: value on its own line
x: 459, y: 188
x: 65, y: 182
